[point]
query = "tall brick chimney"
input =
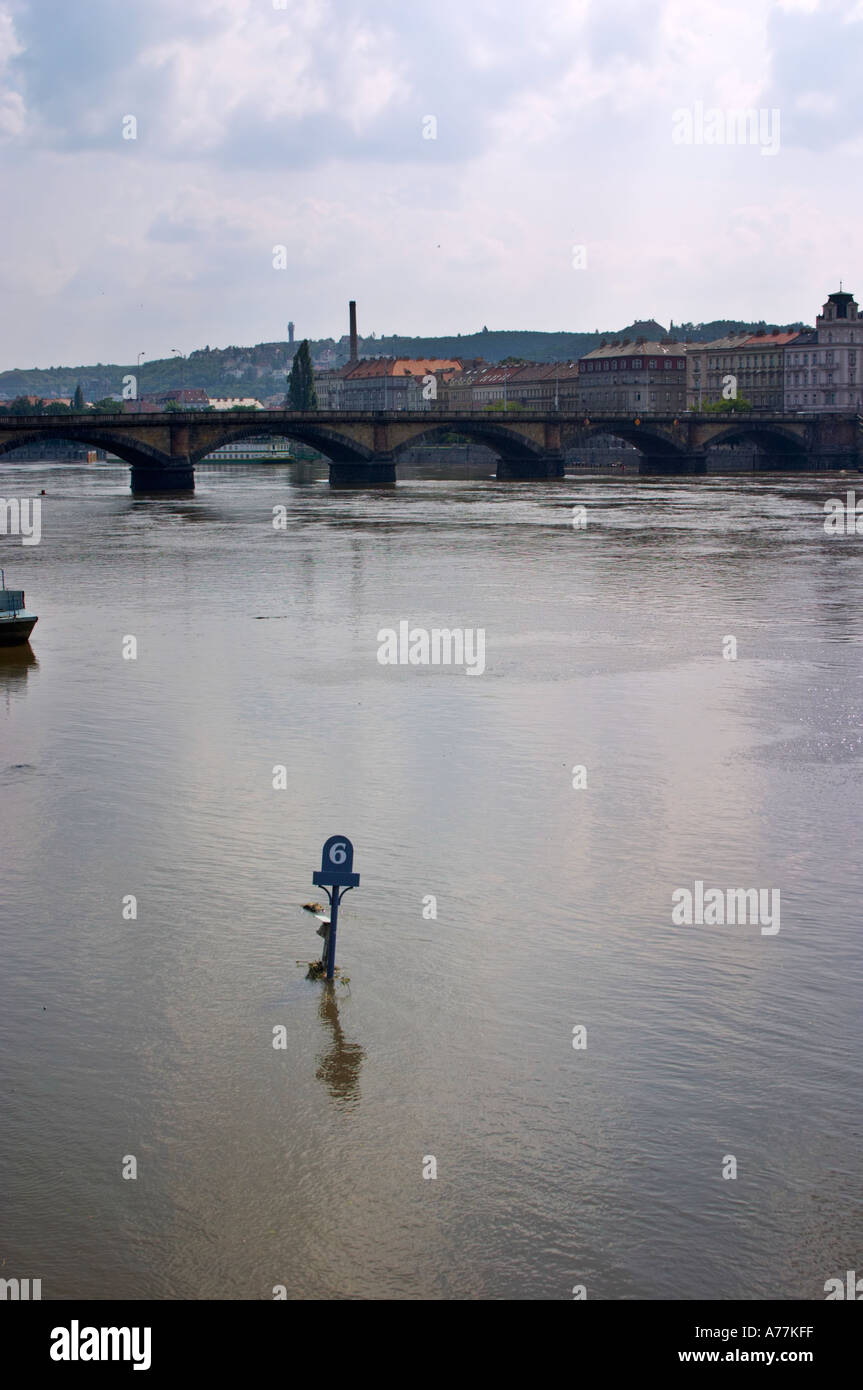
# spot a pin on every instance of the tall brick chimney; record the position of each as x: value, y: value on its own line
x: 352, y: 306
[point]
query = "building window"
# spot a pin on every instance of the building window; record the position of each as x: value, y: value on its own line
x: 637, y: 364
x: 652, y: 364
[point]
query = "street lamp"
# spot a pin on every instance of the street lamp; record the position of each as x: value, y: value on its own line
x: 138, y: 381
x: 177, y: 353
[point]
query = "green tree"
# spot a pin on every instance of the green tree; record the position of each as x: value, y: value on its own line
x: 78, y: 400
x: 727, y: 407
x: 301, y: 382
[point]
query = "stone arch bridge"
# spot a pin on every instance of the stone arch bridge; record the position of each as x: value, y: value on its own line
x: 363, y: 448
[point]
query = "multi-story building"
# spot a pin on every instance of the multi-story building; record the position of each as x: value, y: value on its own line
x: 822, y: 369
x: 328, y: 386
x: 752, y: 365
x: 546, y: 385
x: 190, y: 398
x: 528, y: 385
x: 635, y: 377
x: 385, y: 383
x: 457, y: 393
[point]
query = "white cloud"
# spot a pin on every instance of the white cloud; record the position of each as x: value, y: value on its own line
x: 302, y: 127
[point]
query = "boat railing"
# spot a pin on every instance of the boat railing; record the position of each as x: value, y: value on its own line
x: 11, y: 600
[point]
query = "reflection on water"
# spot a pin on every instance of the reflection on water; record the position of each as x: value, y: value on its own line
x: 152, y: 1034
x: 340, y: 1065
x: 16, y: 665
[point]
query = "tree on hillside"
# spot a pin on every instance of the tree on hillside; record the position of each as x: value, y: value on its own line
x: 78, y: 399
x: 301, y: 382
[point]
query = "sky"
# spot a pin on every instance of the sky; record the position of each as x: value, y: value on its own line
x: 564, y: 165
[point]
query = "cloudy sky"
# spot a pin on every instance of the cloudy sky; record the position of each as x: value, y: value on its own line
x: 305, y: 125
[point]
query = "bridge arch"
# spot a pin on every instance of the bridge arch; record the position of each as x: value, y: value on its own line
x: 782, y: 448
x: 135, y: 453
x: 327, y: 440
x: 507, y: 443
x: 652, y: 440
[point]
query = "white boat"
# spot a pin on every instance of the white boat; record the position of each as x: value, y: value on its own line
x: 16, y: 623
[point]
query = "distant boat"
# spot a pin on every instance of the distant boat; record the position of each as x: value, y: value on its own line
x: 16, y: 623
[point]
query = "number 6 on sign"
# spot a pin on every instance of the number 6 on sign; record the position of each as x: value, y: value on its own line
x: 337, y: 862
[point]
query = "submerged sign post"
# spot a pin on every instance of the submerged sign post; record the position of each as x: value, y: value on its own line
x: 336, y: 877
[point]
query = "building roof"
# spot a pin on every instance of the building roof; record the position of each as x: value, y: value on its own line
x: 773, y: 339
x: 841, y: 298
x: 544, y: 371
x: 186, y: 394
x: 376, y: 367
x: 744, y: 339
x: 636, y: 348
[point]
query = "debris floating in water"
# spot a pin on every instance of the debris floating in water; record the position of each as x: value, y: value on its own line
x: 317, y: 969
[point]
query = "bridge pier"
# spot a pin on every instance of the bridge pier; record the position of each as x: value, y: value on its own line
x: 829, y: 460
x: 376, y: 472
x: 668, y: 465
x: 525, y: 469
x: 176, y: 476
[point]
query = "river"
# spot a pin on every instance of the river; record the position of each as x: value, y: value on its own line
x: 578, y: 1069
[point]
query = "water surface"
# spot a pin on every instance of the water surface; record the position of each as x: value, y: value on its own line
x: 257, y: 647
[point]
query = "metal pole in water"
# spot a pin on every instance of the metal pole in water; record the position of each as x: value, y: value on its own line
x: 331, y: 934
x: 336, y: 876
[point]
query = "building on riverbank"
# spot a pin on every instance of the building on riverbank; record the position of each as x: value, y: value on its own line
x: 750, y: 365
x: 634, y: 377
x: 822, y: 369
x: 385, y: 383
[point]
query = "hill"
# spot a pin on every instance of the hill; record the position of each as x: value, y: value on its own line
x: 260, y: 370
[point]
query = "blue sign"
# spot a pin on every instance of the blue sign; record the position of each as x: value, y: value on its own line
x: 337, y: 862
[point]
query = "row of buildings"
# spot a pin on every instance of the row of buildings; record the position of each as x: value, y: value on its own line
x: 781, y: 371
x: 195, y: 398
x: 809, y: 371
